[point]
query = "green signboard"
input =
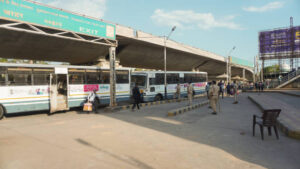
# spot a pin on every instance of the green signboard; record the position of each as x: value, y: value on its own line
x: 41, y: 15
x: 241, y: 62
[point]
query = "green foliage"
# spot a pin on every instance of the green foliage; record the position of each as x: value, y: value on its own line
x: 271, y: 69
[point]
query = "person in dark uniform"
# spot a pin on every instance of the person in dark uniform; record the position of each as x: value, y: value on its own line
x: 136, y: 96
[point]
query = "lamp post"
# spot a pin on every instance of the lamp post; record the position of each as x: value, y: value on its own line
x: 165, y: 59
x: 228, y: 65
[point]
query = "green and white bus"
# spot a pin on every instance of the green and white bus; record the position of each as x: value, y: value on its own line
x: 151, y: 83
x: 31, y: 87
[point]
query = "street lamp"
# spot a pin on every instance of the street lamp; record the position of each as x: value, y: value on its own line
x: 165, y: 58
x: 227, y: 65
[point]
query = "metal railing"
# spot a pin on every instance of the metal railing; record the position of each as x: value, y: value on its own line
x: 290, y: 76
x: 276, y: 82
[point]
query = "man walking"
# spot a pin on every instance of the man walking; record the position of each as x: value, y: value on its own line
x: 213, y: 96
x: 177, y: 93
x: 136, y: 96
x: 190, y: 93
x: 235, y: 90
x: 207, y: 89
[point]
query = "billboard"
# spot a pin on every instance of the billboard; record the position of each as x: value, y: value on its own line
x: 35, y: 13
x: 280, y: 43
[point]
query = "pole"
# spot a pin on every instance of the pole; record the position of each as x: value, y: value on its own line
x: 254, y: 78
x: 292, y: 44
x: 262, y: 70
x: 229, y: 69
x: 165, y: 65
x: 227, y: 60
x: 112, y: 67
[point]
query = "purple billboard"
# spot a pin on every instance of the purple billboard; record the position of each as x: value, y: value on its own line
x: 280, y: 43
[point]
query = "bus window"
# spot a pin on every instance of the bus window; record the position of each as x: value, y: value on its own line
x: 172, y: 78
x: 140, y: 80
x: 19, y: 76
x: 92, y: 77
x: 2, y: 75
x: 152, y: 81
x: 188, y: 78
x: 105, y: 77
x: 160, y: 78
x: 122, y: 76
x: 41, y: 76
x: 76, y: 76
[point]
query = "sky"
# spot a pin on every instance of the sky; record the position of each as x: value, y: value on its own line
x: 212, y: 25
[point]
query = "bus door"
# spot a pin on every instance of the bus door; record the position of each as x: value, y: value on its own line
x: 58, y: 92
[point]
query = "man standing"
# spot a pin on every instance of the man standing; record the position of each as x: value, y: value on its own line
x: 92, y: 99
x: 235, y: 90
x: 177, y: 93
x: 221, y: 90
x: 190, y: 93
x: 228, y: 89
x: 213, y: 96
x: 207, y: 89
x: 136, y: 96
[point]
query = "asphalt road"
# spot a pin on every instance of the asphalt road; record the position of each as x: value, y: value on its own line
x: 145, y: 139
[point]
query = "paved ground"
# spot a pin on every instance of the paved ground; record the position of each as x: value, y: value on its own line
x: 144, y: 139
x: 295, y: 92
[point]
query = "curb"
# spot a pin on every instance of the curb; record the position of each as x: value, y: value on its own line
x: 274, y: 91
x: 126, y: 107
x: 175, y: 112
x: 281, y: 125
x: 287, y: 93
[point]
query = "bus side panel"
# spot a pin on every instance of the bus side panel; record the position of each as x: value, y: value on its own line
x: 78, y: 93
x: 24, y: 98
x: 123, y: 92
x: 199, y: 88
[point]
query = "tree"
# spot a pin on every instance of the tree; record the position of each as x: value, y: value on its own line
x: 274, y: 69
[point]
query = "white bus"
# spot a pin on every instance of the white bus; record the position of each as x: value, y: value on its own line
x: 151, y: 83
x: 30, y: 87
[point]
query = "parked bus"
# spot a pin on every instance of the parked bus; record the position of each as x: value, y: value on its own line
x: 29, y: 87
x: 151, y: 83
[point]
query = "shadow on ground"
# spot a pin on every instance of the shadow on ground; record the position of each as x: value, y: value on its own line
x: 230, y: 130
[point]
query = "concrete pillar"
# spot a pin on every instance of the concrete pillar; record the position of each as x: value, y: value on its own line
x: 244, y: 74
x: 112, y: 67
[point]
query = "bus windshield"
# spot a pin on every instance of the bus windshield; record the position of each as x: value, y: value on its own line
x: 140, y: 80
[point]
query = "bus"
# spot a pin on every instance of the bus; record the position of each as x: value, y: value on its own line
x: 31, y: 87
x: 151, y: 83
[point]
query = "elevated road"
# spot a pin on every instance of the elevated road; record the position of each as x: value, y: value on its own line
x: 140, y: 49
x: 23, y: 39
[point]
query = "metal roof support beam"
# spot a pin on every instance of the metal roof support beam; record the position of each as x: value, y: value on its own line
x: 61, y: 34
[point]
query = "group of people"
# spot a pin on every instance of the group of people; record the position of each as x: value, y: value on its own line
x: 214, y: 91
x: 177, y: 95
x: 259, y: 86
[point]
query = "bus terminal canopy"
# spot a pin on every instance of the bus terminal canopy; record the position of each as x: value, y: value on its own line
x: 29, y: 30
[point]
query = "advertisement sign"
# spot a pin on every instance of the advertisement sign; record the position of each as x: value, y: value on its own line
x: 91, y: 87
x: 61, y: 70
x: 34, y: 13
x: 281, y: 41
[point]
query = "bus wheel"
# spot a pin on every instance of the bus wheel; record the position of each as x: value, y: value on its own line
x: 158, y: 98
x: 1, y: 112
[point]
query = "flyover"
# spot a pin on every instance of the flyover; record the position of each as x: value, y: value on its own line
x: 140, y: 49
x: 21, y: 39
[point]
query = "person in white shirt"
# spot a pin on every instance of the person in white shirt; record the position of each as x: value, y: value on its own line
x: 92, y: 99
